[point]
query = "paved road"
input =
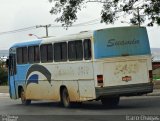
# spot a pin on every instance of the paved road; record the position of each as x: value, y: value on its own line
x: 88, y: 111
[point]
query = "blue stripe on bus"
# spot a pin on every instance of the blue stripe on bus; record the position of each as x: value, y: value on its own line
x: 33, y: 79
x: 22, y: 71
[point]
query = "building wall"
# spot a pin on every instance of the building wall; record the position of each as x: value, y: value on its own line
x: 156, y: 73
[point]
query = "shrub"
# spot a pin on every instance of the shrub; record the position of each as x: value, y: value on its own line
x: 3, y: 76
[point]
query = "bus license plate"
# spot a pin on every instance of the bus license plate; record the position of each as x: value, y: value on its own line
x: 126, y: 78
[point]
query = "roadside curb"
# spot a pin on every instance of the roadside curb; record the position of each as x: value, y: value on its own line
x: 4, y: 89
x: 4, y: 94
x: 156, y: 84
x: 156, y: 92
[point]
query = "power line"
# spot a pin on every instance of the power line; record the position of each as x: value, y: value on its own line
x: 87, y: 23
x: 18, y: 30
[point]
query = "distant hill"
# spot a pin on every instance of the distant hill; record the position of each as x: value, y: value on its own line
x: 4, y: 53
x: 155, y: 54
x: 155, y: 51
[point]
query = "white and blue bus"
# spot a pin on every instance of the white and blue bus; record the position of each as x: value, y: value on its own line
x: 92, y: 65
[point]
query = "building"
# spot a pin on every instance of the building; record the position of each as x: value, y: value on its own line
x: 156, y: 70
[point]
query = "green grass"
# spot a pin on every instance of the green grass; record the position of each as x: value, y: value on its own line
x: 156, y: 77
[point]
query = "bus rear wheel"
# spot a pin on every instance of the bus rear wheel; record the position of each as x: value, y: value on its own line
x: 65, y: 98
x: 23, y: 98
x: 110, y: 101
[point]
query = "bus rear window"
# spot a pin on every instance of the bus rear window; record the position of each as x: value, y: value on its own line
x: 122, y: 41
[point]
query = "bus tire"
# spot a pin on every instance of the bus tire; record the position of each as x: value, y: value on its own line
x: 110, y: 101
x: 23, y: 98
x: 65, y: 100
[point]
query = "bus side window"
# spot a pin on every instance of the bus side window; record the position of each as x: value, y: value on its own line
x: 12, y: 64
x: 64, y: 51
x: 60, y: 51
x: 19, y: 55
x: 46, y: 53
x: 50, y: 52
x: 87, y: 49
x: 33, y: 54
x: 22, y: 57
x: 71, y: 51
x: 75, y: 50
x: 36, y: 54
x: 79, y: 50
x: 57, y: 52
x: 43, y: 50
x: 25, y: 55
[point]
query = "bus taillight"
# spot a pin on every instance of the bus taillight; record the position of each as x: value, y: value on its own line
x: 100, y: 80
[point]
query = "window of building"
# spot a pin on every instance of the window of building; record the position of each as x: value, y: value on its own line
x: 33, y: 54
x: 75, y: 50
x: 46, y: 53
x: 87, y: 49
x: 60, y: 51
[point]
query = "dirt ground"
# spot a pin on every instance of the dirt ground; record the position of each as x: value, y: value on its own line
x: 4, y: 89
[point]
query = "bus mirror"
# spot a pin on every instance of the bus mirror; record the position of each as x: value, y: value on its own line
x: 7, y: 63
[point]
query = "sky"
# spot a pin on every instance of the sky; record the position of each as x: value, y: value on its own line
x: 17, y: 14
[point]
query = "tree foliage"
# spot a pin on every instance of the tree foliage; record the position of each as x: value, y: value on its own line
x: 3, y: 74
x: 141, y: 10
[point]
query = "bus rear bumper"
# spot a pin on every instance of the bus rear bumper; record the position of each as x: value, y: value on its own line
x: 124, y: 90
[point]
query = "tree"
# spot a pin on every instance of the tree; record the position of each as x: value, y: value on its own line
x: 3, y: 74
x: 110, y: 11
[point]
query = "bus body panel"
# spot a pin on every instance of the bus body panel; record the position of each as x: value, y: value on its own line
x: 86, y: 90
x: 125, y: 72
x: 75, y: 76
x: 18, y: 79
x: 121, y: 59
x: 12, y: 88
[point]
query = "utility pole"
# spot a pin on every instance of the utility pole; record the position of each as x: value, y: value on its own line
x: 139, y: 21
x: 45, y: 26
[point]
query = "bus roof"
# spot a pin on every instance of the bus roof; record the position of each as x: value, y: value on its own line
x: 122, y: 27
x: 81, y: 35
x: 29, y: 43
x: 78, y: 36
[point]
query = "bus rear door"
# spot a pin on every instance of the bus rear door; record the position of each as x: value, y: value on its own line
x: 12, y: 74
